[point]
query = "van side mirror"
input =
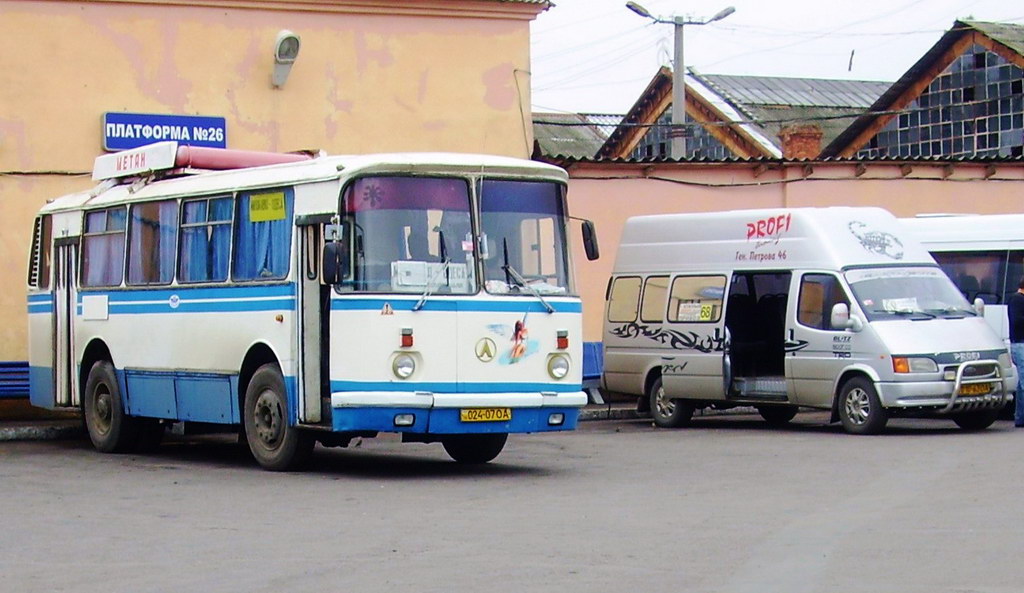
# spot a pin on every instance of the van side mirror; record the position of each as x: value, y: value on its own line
x: 841, y: 318
x: 336, y: 263
x: 979, y: 306
x: 590, y: 241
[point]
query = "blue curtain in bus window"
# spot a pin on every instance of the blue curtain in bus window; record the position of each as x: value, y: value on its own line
x: 205, y: 240
x: 151, y: 246
x: 263, y: 235
x: 103, y: 248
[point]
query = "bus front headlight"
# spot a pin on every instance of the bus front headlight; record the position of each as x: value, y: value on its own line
x: 403, y: 366
x: 558, y: 366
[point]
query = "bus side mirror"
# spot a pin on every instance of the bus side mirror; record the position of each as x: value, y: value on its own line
x: 841, y: 318
x: 590, y: 241
x: 979, y: 306
x: 336, y: 265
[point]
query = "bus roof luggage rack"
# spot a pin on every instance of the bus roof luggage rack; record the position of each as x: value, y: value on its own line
x: 169, y: 157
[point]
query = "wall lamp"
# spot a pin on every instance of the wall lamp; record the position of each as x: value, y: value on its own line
x: 286, y: 49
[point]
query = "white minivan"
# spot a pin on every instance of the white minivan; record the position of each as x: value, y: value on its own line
x: 828, y: 308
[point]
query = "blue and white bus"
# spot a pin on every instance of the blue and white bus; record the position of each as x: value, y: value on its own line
x: 302, y: 299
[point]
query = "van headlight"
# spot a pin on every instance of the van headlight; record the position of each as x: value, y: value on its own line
x: 558, y: 366
x: 914, y: 364
x: 403, y: 366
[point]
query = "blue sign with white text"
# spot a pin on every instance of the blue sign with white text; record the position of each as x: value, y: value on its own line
x: 130, y: 130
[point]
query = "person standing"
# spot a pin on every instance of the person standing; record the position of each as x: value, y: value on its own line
x: 1015, y: 311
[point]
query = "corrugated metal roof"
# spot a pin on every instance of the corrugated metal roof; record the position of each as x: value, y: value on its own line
x: 572, y: 134
x: 806, y: 92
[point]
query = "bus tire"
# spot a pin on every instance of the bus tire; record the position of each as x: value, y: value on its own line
x: 474, y: 448
x: 274, y: 442
x: 668, y: 413
x: 860, y: 410
x: 978, y: 420
x: 777, y: 415
x: 110, y: 429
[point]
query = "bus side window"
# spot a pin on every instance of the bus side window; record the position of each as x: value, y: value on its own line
x: 624, y: 299
x: 205, y: 244
x: 103, y: 247
x: 39, y: 258
x: 263, y: 235
x: 152, y: 234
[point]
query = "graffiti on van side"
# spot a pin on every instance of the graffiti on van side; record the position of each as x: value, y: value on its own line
x: 674, y: 339
x: 878, y: 242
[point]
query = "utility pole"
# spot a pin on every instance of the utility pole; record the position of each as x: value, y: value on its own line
x: 677, y: 133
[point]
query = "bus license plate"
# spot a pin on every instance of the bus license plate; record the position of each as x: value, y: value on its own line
x: 485, y: 415
x: 975, y: 389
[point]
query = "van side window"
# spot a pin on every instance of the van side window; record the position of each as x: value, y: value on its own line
x: 624, y: 299
x: 696, y: 299
x: 978, y: 274
x: 103, y: 247
x: 152, y: 237
x: 652, y: 308
x: 818, y: 294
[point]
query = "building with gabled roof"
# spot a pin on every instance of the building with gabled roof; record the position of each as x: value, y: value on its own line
x: 963, y: 99
x: 736, y: 116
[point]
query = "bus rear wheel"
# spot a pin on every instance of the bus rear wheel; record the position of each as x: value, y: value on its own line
x: 110, y: 429
x: 474, y: 448
x: 274, y: 442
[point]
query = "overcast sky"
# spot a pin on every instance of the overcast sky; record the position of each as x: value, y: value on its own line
x: 595, y: 56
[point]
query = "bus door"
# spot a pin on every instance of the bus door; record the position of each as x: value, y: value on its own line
x: 64, y: 303
x: 311, y: 323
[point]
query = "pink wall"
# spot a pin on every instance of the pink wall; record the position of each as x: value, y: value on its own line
x: 609, y: 193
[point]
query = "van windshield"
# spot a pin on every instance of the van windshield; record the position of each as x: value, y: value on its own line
x: 913, y: 292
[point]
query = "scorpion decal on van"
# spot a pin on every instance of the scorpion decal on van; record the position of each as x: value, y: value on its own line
x: 878, y: 242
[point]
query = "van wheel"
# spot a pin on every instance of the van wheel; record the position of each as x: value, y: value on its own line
x: 668, y: 413
x: 110, y: 429
x: 474, y: 448
x: 777, y: 415
x: 860, y: 409
x: 976, y: 420
x: 274, y: 442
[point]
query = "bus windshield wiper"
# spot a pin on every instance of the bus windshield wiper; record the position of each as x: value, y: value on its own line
x: 445, y: 260
x: 511, y: 273
x: 906, y: 312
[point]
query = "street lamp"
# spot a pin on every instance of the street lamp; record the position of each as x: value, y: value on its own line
x: 676, y: 133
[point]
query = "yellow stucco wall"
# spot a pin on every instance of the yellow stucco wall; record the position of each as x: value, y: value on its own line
x: 371, y: 76
x: 610, y: 193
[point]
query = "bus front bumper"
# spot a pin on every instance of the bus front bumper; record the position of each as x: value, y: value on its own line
x: 455, y: 413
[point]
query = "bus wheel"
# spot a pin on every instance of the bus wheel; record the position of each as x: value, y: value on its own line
x: 777, y: 415
x: 274, y: 442
x: 668, y: 413
x: 976, y: 420
x: 859, y: 407
x: 110, y: 429
x: 474, y: 448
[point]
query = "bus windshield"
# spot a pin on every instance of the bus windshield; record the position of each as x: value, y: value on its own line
x: 523, y: 237
x: 899, y: 293
x: 409, y: 234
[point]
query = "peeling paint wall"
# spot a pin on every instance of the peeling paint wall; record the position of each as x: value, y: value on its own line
x: 424, y: 75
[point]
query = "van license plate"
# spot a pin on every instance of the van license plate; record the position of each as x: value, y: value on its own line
x: 975, y: 389
x: 485, y: 415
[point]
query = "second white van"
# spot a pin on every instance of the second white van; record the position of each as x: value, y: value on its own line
x: 828, y: 308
